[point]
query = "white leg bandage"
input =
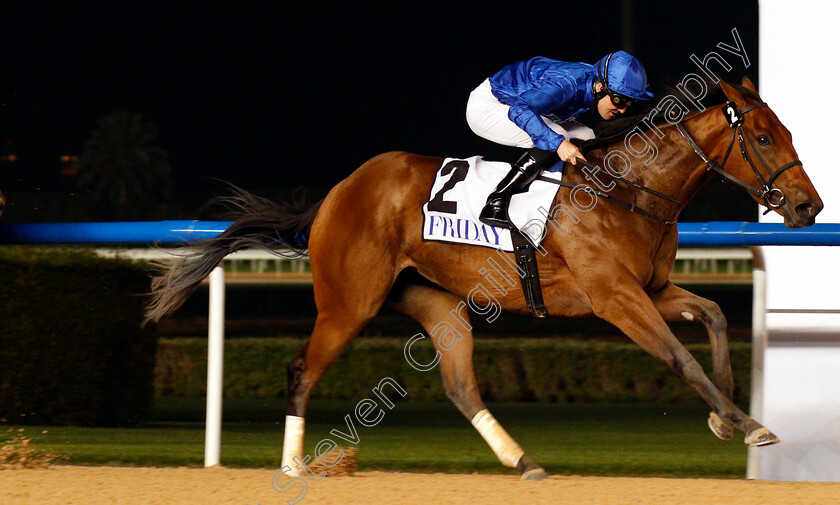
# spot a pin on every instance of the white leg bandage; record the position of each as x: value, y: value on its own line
x: 293, y: 443
x: 505, y: 448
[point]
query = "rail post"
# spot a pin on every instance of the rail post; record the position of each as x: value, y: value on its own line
x: 215, y: 361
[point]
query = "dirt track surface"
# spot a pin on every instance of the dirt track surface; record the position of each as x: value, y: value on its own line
x: 68, y: 485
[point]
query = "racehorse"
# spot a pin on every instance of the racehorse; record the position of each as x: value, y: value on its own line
x: 613, y: 261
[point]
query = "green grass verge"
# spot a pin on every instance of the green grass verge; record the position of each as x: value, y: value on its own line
x: 596, y: 439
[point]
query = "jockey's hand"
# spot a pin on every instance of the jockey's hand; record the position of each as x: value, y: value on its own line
x: 569, y: 152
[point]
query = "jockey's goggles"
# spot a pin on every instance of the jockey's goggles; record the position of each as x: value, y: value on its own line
x: 620, y: 101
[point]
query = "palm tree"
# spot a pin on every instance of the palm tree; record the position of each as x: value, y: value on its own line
x: 127, y: 172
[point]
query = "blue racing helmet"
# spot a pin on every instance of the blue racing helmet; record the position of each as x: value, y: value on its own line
x: 623, y: 74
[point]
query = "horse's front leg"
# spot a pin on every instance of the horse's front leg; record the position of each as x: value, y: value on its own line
x: 677, y: 304
x: 622, y: 302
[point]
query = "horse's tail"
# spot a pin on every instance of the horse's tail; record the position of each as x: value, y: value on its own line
x: 280, y: 228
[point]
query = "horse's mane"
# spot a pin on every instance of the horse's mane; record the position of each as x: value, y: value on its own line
x: 609, y: 132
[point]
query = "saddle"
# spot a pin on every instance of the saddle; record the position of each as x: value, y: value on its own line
x: 455, y: 202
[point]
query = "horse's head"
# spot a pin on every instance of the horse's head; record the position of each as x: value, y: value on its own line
x: 763, y: 157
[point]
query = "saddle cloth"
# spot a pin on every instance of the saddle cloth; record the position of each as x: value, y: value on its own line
x: 459, y: 193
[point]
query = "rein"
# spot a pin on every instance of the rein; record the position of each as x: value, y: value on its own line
x: 628, y: 205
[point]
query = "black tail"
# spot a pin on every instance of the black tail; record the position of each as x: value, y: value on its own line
x: 282, y: 229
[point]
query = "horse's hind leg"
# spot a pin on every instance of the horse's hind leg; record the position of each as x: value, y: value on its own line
x: 345, y: 304
x: 677, y: 304
x: 328, y: 339
x: 445, y: 318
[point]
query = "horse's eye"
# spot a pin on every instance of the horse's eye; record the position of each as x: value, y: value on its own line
x: 764, y: 140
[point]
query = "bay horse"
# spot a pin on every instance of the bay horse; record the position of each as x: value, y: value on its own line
x: 366, y: 249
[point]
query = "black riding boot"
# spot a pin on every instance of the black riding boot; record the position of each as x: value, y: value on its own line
x: 521, y: 175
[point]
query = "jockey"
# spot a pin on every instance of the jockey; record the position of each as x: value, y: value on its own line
x: 532, y: 104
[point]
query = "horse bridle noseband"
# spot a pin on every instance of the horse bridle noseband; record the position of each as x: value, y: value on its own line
x: 773, y: 197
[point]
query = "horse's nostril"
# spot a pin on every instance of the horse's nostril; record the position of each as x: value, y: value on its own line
x: 806, y: 210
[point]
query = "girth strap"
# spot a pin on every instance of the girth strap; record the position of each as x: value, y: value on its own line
x: 526, y: 261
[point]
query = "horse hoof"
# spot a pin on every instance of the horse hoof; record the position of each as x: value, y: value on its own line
x: 530, y: 469
x: 761, y: 437
x: 534, y: 474
x: 722, y: 428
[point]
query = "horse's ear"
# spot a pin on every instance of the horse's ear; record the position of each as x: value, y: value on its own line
x: 747, y: 83
x: 727, y: 88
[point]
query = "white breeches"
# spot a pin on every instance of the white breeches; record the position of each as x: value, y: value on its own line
x: 488, y: 118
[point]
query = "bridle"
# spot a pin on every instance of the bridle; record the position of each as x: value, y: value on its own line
x: 773, y: 197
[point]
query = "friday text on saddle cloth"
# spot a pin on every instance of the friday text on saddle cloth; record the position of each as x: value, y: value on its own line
x: 460, y: 191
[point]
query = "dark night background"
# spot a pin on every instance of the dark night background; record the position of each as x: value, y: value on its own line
x: 275, y: 95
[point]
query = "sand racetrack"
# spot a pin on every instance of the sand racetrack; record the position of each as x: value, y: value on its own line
x: 68, y: 485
